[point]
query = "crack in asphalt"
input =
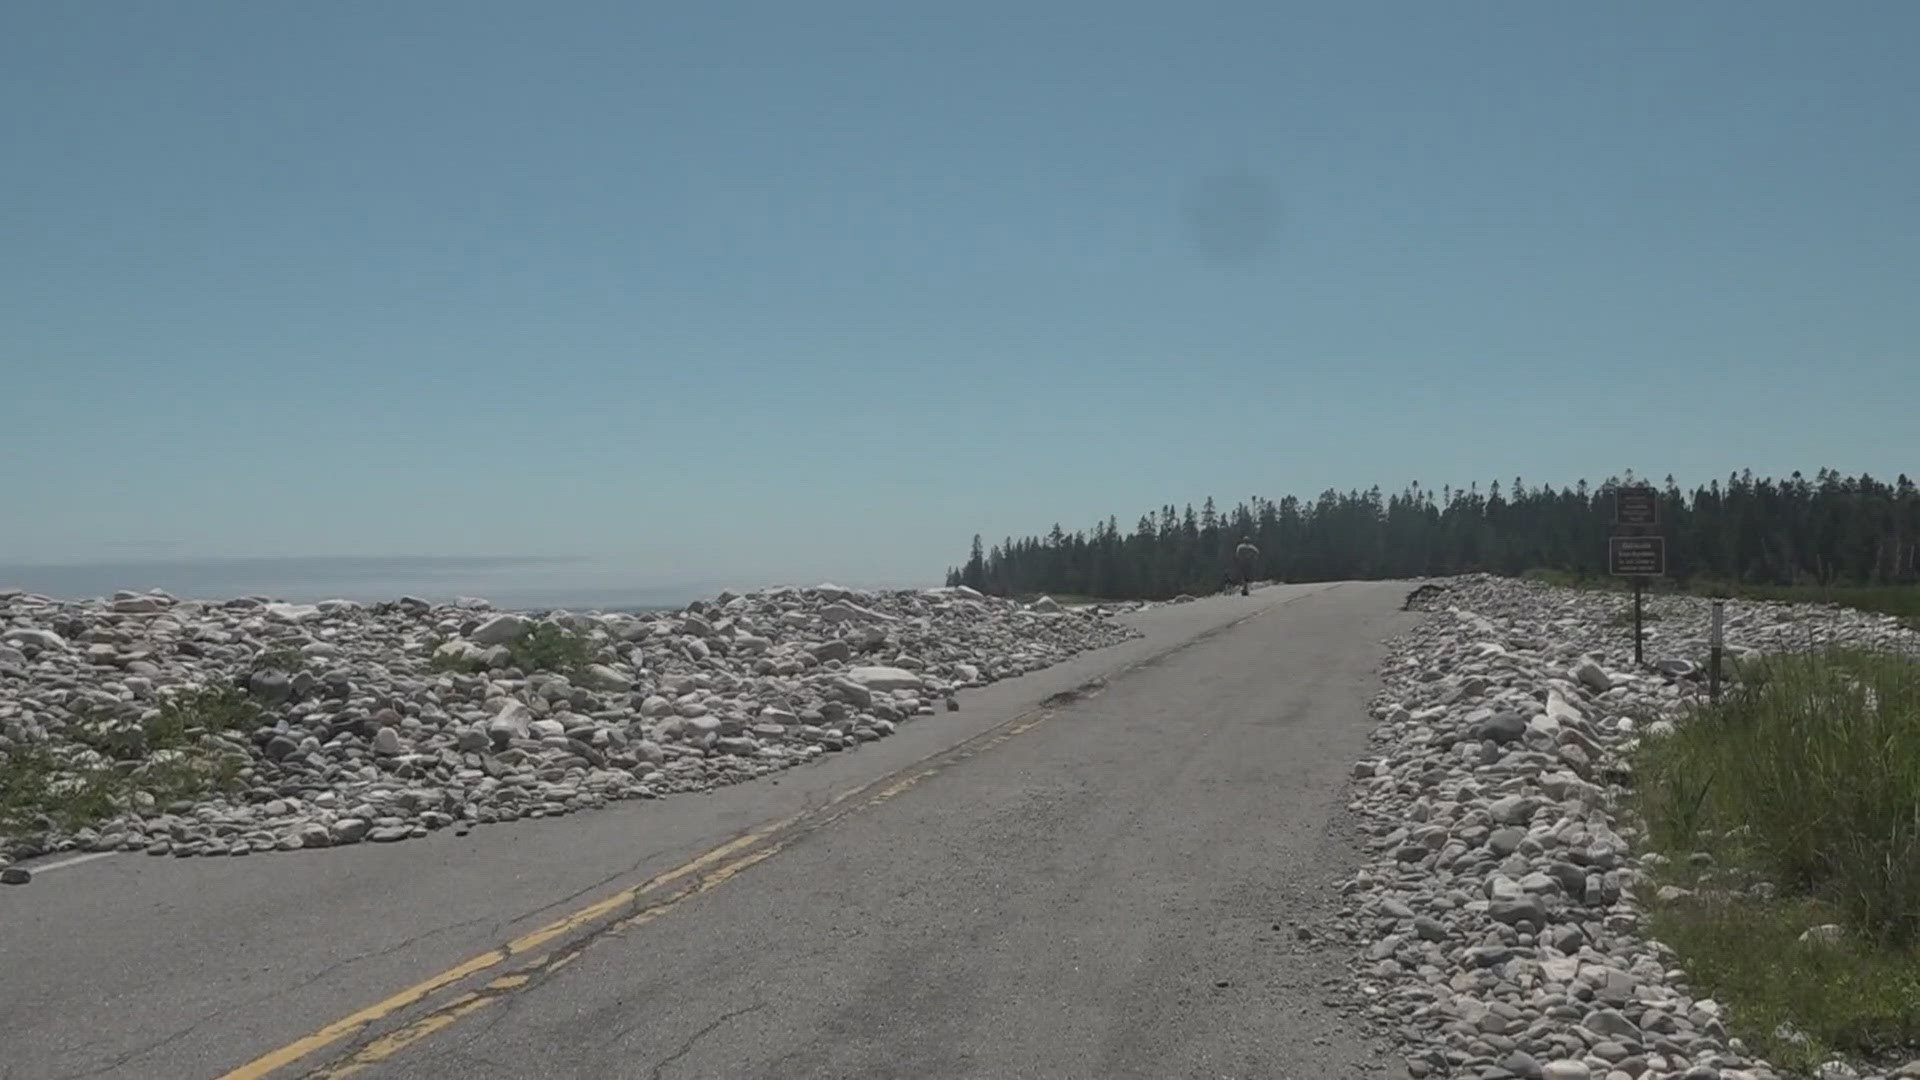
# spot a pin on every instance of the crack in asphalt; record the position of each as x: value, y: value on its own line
x: 694, y: 1039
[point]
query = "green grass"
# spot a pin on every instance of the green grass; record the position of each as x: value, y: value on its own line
x: 547, y: 647
x: 181, y: 720
x: 38, y: 794
x: 1852, y: 997
x: 210, y: 710
x: 169, y: 756
x: 1806, y: 776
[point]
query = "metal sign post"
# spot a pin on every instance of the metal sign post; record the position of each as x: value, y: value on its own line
x: 1713, y: 662
x: 1639, y: 588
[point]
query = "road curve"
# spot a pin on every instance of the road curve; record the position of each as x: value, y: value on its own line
x: 1091, y: 871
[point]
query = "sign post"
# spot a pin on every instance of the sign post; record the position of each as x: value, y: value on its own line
x: 1713, y: 663
x: 1635, y: 553
x: 1639, y: 637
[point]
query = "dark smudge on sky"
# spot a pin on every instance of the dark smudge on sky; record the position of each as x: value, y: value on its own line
x: 1234, y: 218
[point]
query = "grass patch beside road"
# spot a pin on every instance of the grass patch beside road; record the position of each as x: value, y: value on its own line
x: 1797, y: 1005
x: 1802, y: 789
x: 175, y: 754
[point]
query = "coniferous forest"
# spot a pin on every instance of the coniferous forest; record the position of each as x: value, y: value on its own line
x: 1829, y: 530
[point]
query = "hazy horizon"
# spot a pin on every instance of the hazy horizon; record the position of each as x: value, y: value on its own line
x: 507, y: 581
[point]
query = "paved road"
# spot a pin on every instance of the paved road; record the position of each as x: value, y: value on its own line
x: 1086, y: 872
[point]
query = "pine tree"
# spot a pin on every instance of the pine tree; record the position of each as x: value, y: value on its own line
x: 1833, y: 528
x: 975, y: 574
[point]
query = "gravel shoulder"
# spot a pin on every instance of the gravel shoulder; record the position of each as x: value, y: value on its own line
x: 1500, y: 915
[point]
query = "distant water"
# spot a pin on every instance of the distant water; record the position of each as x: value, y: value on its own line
x: 508, y: 581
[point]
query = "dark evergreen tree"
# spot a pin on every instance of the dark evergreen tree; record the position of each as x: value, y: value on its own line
x: 1830, y: 530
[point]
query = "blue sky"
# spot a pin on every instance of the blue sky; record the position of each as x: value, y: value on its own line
x: 765, y: 292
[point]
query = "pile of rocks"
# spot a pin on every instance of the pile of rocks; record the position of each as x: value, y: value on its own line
x: 384, y: 722
x: 1499, y: 914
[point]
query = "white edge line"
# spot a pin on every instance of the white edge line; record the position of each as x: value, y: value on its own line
x: 75, y: 861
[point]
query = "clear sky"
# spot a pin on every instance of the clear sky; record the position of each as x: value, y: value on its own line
x: 759, y: 292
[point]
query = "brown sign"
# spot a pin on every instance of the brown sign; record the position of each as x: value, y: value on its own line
x: 1637, y: 556
x: 1636, y: 506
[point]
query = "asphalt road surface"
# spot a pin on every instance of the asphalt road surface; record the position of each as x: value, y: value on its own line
x: 1092, y: 871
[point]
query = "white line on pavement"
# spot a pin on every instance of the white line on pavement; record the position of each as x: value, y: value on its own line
x: 75, y: 861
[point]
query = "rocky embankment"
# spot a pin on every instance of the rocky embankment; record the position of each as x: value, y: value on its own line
x: 313, y: 725
x: 1500, y: 911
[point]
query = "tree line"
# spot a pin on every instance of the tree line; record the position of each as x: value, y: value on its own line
x: 1829, y: 530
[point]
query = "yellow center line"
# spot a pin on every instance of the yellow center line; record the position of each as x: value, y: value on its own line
x: 594, y: 912
x: 392, y: 1044
x: 268, y: 1063
x: 339, y: 1029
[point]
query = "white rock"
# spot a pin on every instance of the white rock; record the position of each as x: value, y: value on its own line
x: 138, y: 605
x: 602, y: 677
x: 1593, y: 676
x: 40, y: 639
x: 1561, y: 711
x: 292, y: 613
x: 885, y: 678
x: 844, y: 611
x: 349, y: 830
x: 501, y: 629
x: 457, y: 649
x: 510, y: 723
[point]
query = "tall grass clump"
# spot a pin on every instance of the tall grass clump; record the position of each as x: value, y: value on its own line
x: 1813, y: 762
x: 1803, y: 787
